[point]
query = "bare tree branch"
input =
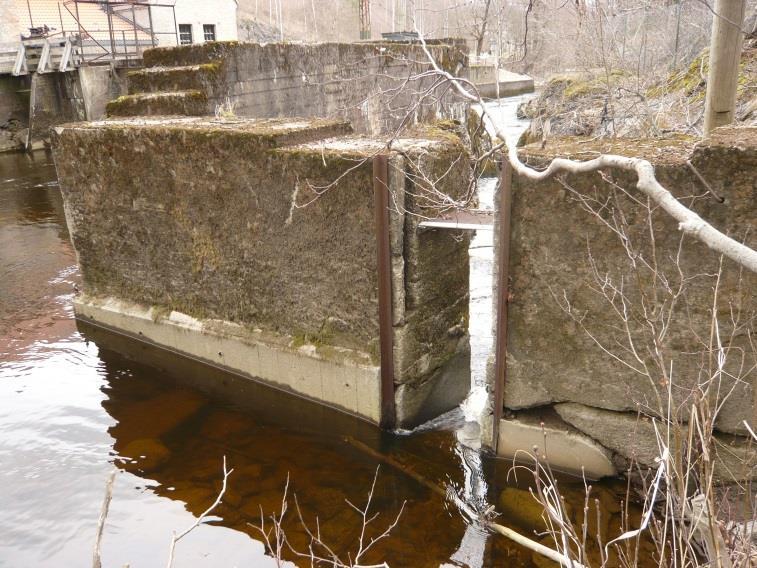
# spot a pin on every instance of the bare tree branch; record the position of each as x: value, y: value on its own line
x: 688, y: 221
x: 177, y: 537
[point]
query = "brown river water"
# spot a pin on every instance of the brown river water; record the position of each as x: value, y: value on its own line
x: 71, y: 408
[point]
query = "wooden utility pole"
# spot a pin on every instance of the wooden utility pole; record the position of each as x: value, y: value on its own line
x: 725, y: 55
x: 364, y: 6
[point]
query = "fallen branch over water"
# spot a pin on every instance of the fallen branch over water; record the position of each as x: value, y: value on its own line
x: 396, y: 464
x: 532, y: 545
x: 509, y: 533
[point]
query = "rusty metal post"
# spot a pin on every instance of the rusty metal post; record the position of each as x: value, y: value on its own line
x: 381, y: 211
x: 502, y: 292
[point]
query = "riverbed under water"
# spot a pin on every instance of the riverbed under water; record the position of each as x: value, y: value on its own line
x: 73, y: 407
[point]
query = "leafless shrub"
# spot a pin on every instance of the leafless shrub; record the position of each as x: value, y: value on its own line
x: 319, y: 553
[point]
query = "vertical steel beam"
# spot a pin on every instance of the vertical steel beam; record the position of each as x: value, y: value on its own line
x: 175, y: 26
x: 152, y: 30
x: 502, y: 291
x: 381, y: 211
x: 110, y: 31
x: 32, y: 106
x: 136, y: 37
x: 78, y: 23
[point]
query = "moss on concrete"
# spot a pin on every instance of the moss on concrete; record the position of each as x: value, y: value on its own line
x: 189, y: 54
x: 188, y: 103
x: 208, y: 78
x: 556, y: 245
x: 268, y: 224
x: 673, y: 149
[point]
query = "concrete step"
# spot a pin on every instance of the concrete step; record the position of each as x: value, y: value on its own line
x: 195, y: 54
x: 187, y: 103
x: 203, y: 77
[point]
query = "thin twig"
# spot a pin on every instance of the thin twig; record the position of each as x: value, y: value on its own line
x: 96, y: 561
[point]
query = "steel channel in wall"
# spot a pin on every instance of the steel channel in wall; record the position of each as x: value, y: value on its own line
x: 502, y: 291
x: 381, y: 209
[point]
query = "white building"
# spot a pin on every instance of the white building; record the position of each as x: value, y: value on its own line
x: 196, y: 21
x: 123, y: 22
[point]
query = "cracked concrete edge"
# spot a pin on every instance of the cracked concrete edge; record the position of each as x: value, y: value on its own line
x: 566, y: 450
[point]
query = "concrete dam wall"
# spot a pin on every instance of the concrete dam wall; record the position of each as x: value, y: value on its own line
x: 375, y: 86
x: 58, y: 97
x: 218, y: 239
x: 604, y: 290
x: 251, y: 240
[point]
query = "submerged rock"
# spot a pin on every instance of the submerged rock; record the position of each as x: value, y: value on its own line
x: 145, y: 455
x: 154, y: 417
x: 520, y: 506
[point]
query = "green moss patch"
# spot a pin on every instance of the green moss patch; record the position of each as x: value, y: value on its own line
x: 206, y: 77
x: 187, y: 103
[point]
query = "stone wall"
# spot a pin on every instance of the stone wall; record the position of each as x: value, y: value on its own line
x: 219, y: 226
x: 364, y: 83
x: 568, y: 340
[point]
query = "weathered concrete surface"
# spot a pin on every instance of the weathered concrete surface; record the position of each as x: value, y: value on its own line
x: 633, y: 437
x: 60, y: 97
x: 554, y: 243
x: 364, y: 83
x: 566, y: 448
x: 340, y: 377
x: 100, y: 84
x: 222, y: 220
x: 188, y: 103
x: 493, y: 82
x: 557, y: 251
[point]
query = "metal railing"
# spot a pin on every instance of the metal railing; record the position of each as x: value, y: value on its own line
x: 88, y: 31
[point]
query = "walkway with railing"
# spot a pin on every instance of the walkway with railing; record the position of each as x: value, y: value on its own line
x: 64, y: 34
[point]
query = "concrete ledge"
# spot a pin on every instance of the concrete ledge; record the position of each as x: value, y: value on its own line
x: 506, y: 88
x: 566, y: 450
x: 342, y: 378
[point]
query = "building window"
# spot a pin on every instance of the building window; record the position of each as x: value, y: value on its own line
x: 185, y: 34
x: 209, y: 31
